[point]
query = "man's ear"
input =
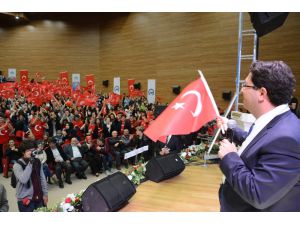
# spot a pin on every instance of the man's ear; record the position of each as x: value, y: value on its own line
x: 263, y: 94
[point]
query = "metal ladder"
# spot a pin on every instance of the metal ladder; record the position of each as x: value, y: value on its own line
x: 235, y: 100
x: 253, y: 56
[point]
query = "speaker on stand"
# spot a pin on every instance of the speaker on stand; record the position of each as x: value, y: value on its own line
x: 108, y: 194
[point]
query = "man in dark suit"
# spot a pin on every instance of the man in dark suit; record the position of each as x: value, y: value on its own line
x: 264, y: 173
x: 75, y: 154
x: 59, y: 160
x: 174, y: 144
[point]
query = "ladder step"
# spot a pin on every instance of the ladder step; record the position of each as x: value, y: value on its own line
x: 246, y: 34
x: 249, y: 31
x: 246, y: 56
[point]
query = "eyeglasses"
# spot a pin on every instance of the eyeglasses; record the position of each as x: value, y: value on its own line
x: 244, y: 85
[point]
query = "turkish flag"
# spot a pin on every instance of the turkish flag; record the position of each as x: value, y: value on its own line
x: 64, y: 77
x: 103, y: 109
x: 188, y: 112
x: 114, y: 99
x: 130, y: 86
x: 23, y: 77
x: 90, y: 80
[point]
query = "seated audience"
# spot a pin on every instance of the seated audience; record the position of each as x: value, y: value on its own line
x: 75, y: 154
x: 59, y: 161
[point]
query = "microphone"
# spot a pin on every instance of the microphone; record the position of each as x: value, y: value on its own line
x: 229, y: 132
x: 231, y: 124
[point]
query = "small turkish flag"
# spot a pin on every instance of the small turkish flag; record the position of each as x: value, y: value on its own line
x: 23, y: 77
x: 64, y: 77
x: 188, y: 112
x: 90, y: 80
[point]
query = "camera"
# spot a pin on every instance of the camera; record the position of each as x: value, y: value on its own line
x: 34, y: 153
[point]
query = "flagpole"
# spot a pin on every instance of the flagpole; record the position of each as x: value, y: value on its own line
x: 218, y: 131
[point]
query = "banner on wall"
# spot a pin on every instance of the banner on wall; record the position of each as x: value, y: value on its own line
x: 75, y: 80
x: 117, y: 88
x: 90, y: 81
x: 12, y: 74
x: 130, y: 86
x: 23, y: 77
x: 64, y: 77
x: 151, y: 91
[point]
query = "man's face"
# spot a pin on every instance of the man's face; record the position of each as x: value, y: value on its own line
x: 114, y: 133
x: 250, y: 95
x: 74, y: 141
x: 126, y: 132
x: 27, y: 153
x: 52, y: 145
x: 11, y: 143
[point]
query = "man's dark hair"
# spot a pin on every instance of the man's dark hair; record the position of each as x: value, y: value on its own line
x: 52, y: 140
x: 27, y: 144
x: 276, y: 77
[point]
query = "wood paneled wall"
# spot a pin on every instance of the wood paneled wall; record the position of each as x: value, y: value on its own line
x: 168, y: 47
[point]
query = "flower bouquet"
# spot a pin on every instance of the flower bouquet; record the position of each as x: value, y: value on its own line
x: 136, y: 173
x: 192, y: 153
x: 72, y: 203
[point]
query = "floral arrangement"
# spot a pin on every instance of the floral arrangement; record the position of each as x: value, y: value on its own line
x: 192, y: 153
x: 72, y: 203
x: 136, y: 173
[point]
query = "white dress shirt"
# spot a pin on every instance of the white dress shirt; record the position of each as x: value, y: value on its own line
x: 261, y: 122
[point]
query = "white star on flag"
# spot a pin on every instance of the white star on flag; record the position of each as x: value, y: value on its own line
x: 178, y: 105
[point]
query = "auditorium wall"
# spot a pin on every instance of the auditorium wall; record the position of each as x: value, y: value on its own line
x: 168, y: 47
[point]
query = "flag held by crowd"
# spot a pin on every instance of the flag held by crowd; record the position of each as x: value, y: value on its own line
x: 188, y: 112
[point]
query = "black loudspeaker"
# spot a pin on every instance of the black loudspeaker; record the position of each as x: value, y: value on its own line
x: 158, y: 110
x: 137, y: 86
x: 109, y: 194
x: 176, y: 89
x: 226, y: 95
x: 163, y: 167
x: 105, y: 83
x: 265, y: 22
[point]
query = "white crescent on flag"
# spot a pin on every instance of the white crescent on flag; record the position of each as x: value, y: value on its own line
x: 23, y: 78
x: 131, y: 88
x: 37, y: 128
x: 199, y: 103
x: 5, y: 132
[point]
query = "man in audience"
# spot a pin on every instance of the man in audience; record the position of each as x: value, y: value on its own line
x: 59, y: 160
x: 115, y: 148
x: 75, y: 155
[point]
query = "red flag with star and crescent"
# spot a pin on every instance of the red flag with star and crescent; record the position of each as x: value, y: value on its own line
x: 188, y: 112
x: 23, y: 77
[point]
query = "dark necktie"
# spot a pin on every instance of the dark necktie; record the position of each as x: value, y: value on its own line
x: 250, y: 129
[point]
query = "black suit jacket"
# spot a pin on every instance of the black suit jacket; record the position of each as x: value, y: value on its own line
x: 50, y: 157
x: 69, y: 151
x: 175, y: 144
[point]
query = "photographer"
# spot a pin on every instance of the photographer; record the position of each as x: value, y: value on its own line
x: 31, y: 189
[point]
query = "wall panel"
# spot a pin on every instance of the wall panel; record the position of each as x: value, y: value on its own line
x: 168, y: 47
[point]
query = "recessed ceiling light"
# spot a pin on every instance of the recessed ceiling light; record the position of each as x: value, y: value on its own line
x: 17, y: 17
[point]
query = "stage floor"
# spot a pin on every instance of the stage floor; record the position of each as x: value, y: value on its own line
x: 194, y: 190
